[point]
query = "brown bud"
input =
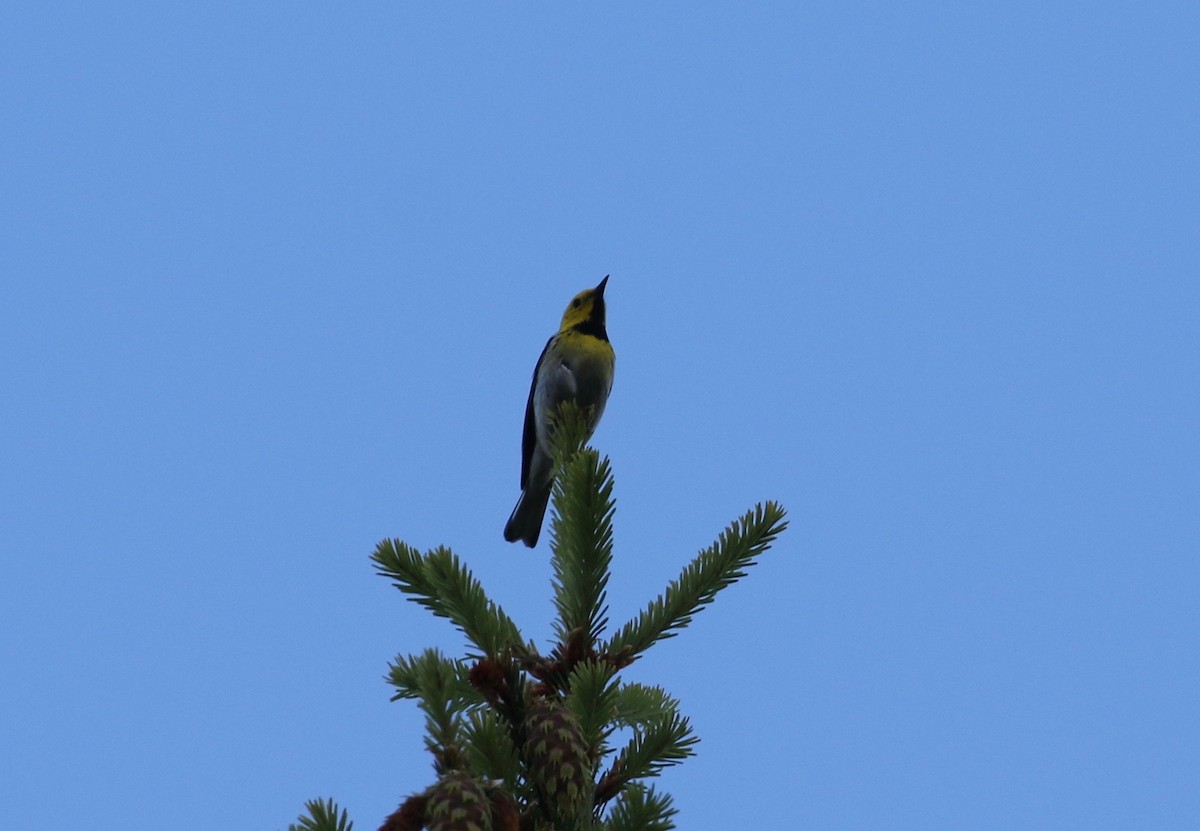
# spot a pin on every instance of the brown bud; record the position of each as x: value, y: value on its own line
x: 488, y: 677
x: 410, y: 816
x: 505, y: 816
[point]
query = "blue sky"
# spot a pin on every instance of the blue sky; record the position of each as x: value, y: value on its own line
x: 274, y: 279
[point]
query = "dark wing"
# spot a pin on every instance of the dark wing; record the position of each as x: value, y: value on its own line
x: 529, y: 439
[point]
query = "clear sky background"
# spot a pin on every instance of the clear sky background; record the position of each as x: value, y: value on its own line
x: 273, y: 278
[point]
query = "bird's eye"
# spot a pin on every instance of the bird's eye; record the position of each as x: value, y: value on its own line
x: 576, y: 303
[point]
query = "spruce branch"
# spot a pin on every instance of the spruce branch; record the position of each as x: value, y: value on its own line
x: 593, y: 696
x: 441, y: 583
x: 714, y: 568
x: 637, y: 705
x: 443, y: 694
x: 641, y: 808
x: 582, y: 544
x: 417, y: 676
x: 322, y: 816
x: 663, y: 742
x: 568, y: 432
x: 491, y: 749
x: 581, y: 527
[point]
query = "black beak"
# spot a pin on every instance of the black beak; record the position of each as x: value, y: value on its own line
x: 600, y: 288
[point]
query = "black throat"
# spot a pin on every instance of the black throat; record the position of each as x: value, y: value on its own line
x: 594, y: 325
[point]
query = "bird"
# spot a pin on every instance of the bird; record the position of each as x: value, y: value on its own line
x: 576, y: 365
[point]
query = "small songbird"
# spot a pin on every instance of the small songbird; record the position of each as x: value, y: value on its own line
x: 576, y: 365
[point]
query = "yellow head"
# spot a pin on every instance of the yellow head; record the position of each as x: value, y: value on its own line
x: 586, y: 312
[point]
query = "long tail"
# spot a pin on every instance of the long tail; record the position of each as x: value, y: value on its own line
x: 525, y: 523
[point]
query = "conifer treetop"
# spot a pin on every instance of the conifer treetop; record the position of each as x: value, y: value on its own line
x: 523, y: 738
